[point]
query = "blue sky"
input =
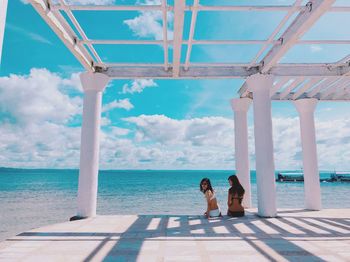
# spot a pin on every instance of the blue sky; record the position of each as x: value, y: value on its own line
x: 154, y: 124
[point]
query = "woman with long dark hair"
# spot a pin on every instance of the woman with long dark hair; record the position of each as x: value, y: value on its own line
x: 212, y: 205
x: 235, y: 197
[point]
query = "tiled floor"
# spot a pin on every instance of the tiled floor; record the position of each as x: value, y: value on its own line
x: 296, y: 235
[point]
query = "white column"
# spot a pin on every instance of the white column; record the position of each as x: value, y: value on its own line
x: 260, y: 85
x: 93, y: 85
x: 240, y: 107
x: 3, y: 11
x: 306, y: 108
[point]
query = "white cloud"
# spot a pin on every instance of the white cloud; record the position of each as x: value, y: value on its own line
x: 122, y: 103
x: 138, y: 85
x: 315, y: 48
x: 196, y: 131
x: 34, y: 112
x: 37, y: 97
x: 117, y: 131
x: 36, y: 109
x: 149, y: 23
x: 33, y: 36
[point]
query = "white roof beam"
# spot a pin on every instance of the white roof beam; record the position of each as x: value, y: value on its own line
x: 345, y: 60
x: 290, y: 87
x: 158, y: 72
x: 312, y: 82
x: 233, y: 71
x: 80, y: 30
x: 321, y: 70
x: 64, y: 32
x: 179, y: 16
x: 113, y: 7
x: 280, y: 8
x: 338, y: 85
x: 276, y: 8
x: 323, y: 85
x: 277, y: 30
x: 341, y: 93
x: 207, y: 42
x: 159, y: 42
x: 192, y: 28
x: 282, y: 81
x: 302, y: 23
x: 165, y: 34
x: 243, y: 91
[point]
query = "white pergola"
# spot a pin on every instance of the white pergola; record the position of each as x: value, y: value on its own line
x: 266, y: 79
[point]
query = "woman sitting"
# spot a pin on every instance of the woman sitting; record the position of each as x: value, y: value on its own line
x: 235, y: 197
x: 212, y: 205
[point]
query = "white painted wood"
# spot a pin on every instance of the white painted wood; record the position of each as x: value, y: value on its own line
x: 296, y: 30
x: 80, y: 30
x: 53, y: 19
x: 3, y: 11
x: 296, y: 82
x: 240, y: 106
x: 191, y: 73
x: 340, y: 89
x: 265, y: 167
x: 281, y: 82
x: 170, y: 42
x: 179, y: 16
x: 277, y: 30
x: 243, y: 91
x: 325, y: 84
x: 170, y: 8
x: 308, y: 15
x: 309, y: 71
x: 165, y: 34
x: 189, y: 8
x: 324, y: 42
x: 113, y: 7
x: 345, y: 60
x: 190, y: 37
x: 306, y: 108
x: 124, y: 42
x: 208, y: 42
x: 231, y: 8
x: 93, y: 85
x: 312, y: 82
x: 341, y: 94
x: 223, y: 72
x: 338, y: 85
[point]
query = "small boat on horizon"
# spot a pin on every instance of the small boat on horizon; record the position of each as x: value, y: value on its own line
x: 337, y: 176
x: 290, y: 177
x: 340, y: 176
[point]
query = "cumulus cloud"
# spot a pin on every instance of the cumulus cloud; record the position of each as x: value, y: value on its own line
x: 138, y: 85
x: 36, y: 131
x: 149, y: 23
x: 35, y: 112
x: 121, y: 103
x: 37, y: 97
x: 196, y: 131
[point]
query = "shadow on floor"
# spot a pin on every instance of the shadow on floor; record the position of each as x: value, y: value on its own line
x: 155, y: 237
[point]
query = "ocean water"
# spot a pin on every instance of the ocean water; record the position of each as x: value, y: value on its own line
x: 33, y: 198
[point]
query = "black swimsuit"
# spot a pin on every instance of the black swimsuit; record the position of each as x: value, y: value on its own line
x: 236, y: 213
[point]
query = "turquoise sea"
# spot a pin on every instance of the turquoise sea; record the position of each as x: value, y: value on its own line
x: 33, y: 198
